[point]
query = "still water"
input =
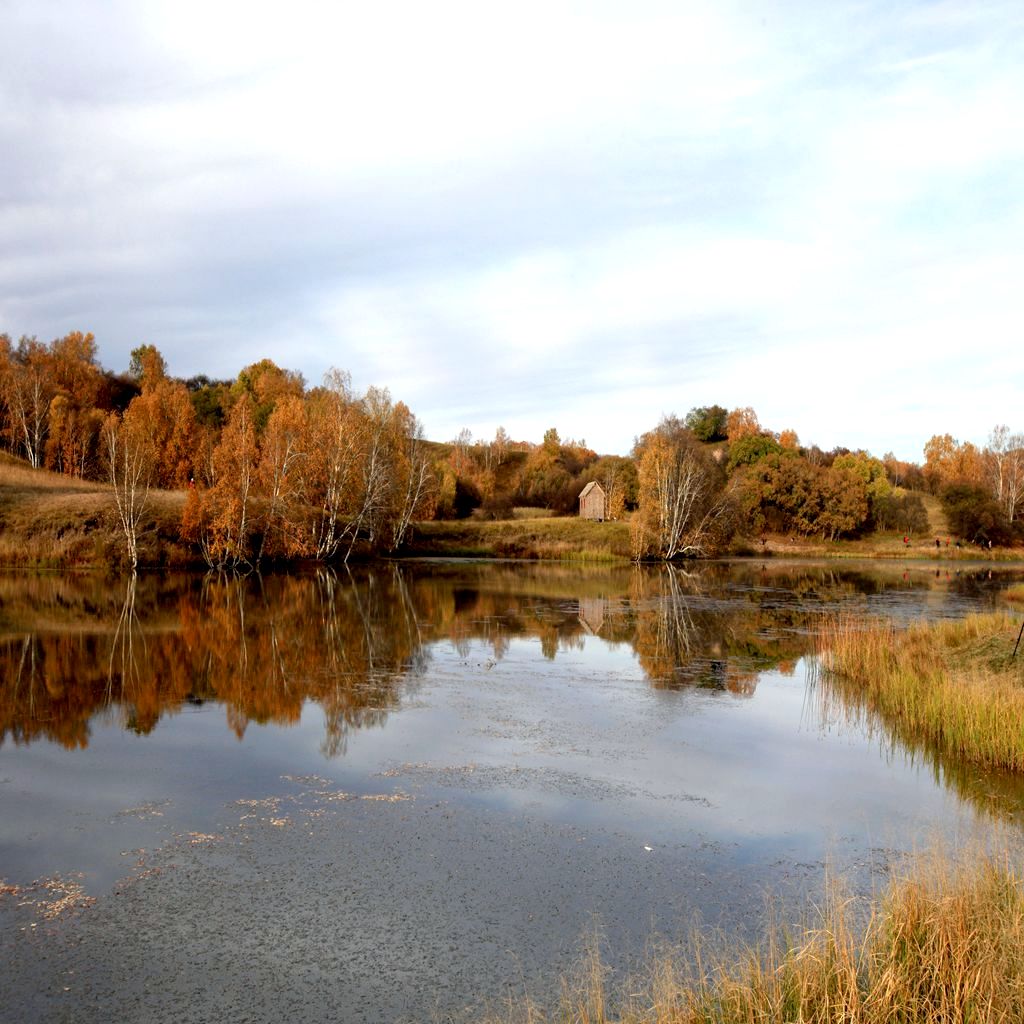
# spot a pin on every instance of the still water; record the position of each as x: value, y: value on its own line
x: 397, y: 793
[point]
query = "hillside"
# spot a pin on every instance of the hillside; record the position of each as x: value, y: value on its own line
x: 48, y: 520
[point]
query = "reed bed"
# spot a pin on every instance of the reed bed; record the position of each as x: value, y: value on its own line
x: 943, y: 944
x: 952, y: 686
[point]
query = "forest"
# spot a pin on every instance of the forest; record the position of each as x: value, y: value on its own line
x: 273, y: 469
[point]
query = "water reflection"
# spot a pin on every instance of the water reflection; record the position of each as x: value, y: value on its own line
x: 260, y: 647
x: 72, y: 648
x: 834, y: 703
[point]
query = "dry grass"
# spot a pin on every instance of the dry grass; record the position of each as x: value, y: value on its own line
x: 944, y: 944
x: 1015, y: 593
x: 950, y: 686
x: 52, y: 521
x: 568, y: 538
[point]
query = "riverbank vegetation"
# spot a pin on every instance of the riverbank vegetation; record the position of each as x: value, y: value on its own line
x: 941, y: 943
x: 265, y: 468
x: 952, y: 688
x: 542, y: 537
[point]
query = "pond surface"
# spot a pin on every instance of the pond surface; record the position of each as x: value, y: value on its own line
x: 397, y: 793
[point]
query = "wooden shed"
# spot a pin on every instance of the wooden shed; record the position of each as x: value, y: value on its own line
x: 593, y: 504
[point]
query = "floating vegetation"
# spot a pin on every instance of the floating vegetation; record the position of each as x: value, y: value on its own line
x: 151, y: 809
x: 50, y: 897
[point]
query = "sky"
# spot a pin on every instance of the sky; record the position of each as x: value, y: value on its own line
x: 582, y: 215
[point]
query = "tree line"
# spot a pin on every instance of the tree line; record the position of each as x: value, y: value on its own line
x: 276, y: 469
x: 716, y: 473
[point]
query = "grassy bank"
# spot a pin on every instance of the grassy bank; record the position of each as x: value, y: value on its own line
x: 51, y: 521
x: 951, y: 686
x: 881, y: 545
x: 570, y: 539
x: 942, y: 944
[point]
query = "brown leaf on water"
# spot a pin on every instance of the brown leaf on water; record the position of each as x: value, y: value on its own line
x: 64, y: 894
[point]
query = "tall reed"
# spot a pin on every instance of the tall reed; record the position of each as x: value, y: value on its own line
x: 952, y: 686
x: 944, y: 944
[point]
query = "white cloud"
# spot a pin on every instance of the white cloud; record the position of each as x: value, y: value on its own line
x: 543, y: 213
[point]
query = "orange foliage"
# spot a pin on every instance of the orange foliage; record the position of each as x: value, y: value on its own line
x: 741, y: 423
x: 947, y: 461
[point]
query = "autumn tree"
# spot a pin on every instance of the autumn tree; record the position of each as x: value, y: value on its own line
x: 780, y: 492
x: 74, y: 420
x: 281, y: 480
x: 266, y: 384
x: 903, y: 474
x: 128, y: 449
x: 171, y: 422
x: 843, y: 505
x: 900, y: 511
x: 412, y: 476
x: 469, y: 478
x: 29, y: 387
x: 1004, y: 461
x: 872, y: 474
x: 543, y: 476
x: 333, y: 473
x: 74, y: 442
x: 499, y: 446
x: 784, y: 492
x: 948, y: 462
x: 220, y: 519
x: 147, y: 365
x: 683, y: 506
x: 741, y: 423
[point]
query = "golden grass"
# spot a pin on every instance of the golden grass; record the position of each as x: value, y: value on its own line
x: 950, y: 686
x: 530, y: 512
x: 943, y: 944
x: 1015, y: 593
x: 52, y: 521
x: 561, y: 538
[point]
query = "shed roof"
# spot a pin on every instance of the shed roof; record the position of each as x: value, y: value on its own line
x: 591, y: 486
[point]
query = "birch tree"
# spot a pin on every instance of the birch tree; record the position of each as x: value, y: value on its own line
x: 281, y: 483
x: 29, y: 389
x: 335, y: 431
x: 1005, y: 461
x: 412, y: 475
x: 683, y: 507
x: 129, y: 457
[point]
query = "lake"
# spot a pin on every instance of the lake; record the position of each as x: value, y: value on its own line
x: 403, y: 792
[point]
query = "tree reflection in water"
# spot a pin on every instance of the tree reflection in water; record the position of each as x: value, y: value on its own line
x: 260, y: 647
x: 354, y: 642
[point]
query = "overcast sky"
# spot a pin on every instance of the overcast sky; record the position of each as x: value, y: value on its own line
x: 579, y: 215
